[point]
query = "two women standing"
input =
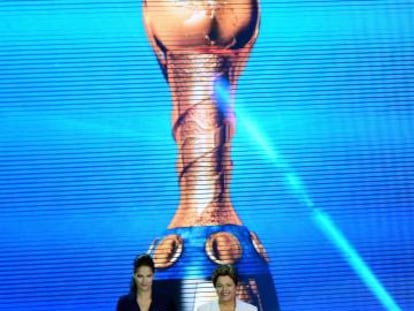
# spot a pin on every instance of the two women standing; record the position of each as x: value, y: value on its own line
x: 142, y: 296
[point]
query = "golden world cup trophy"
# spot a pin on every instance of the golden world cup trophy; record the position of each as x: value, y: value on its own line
x: 202, y: 47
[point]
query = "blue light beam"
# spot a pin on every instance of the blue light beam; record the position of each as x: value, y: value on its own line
x: 354, y: 259
x: 327, y: 226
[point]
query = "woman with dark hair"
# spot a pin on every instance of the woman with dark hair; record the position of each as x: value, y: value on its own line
x: 225, y: 279
x: 142, y: 296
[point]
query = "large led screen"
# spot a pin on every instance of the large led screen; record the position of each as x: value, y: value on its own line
x: 281, y: 141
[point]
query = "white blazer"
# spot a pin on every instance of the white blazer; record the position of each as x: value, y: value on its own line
x: 214, y: 306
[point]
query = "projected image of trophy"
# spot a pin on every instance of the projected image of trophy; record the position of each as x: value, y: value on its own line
x: 202, y: 47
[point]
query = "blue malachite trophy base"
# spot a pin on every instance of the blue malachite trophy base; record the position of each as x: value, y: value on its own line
x: 190, y: 255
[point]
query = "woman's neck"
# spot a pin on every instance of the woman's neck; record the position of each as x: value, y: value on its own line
x: 227, y: 305
x: 144, y: 300
x: 144, y: 294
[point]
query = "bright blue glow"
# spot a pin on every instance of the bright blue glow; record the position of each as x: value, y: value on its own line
x: 222, y: 91
x: 354, y: 259
x: 293, y: 181
x: 296, y: 185
x: 223, y: 98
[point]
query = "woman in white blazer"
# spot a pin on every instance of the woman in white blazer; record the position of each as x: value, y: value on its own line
x: 225, y: 280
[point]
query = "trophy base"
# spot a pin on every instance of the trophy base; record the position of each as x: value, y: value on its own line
x: 186, y: 257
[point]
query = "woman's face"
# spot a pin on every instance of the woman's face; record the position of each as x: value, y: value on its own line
x: 225, y: 288
x: 143, y: 277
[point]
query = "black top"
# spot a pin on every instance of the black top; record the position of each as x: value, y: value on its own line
x: 160, y: 302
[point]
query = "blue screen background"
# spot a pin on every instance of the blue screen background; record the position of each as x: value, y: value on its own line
x: 88, y: 179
